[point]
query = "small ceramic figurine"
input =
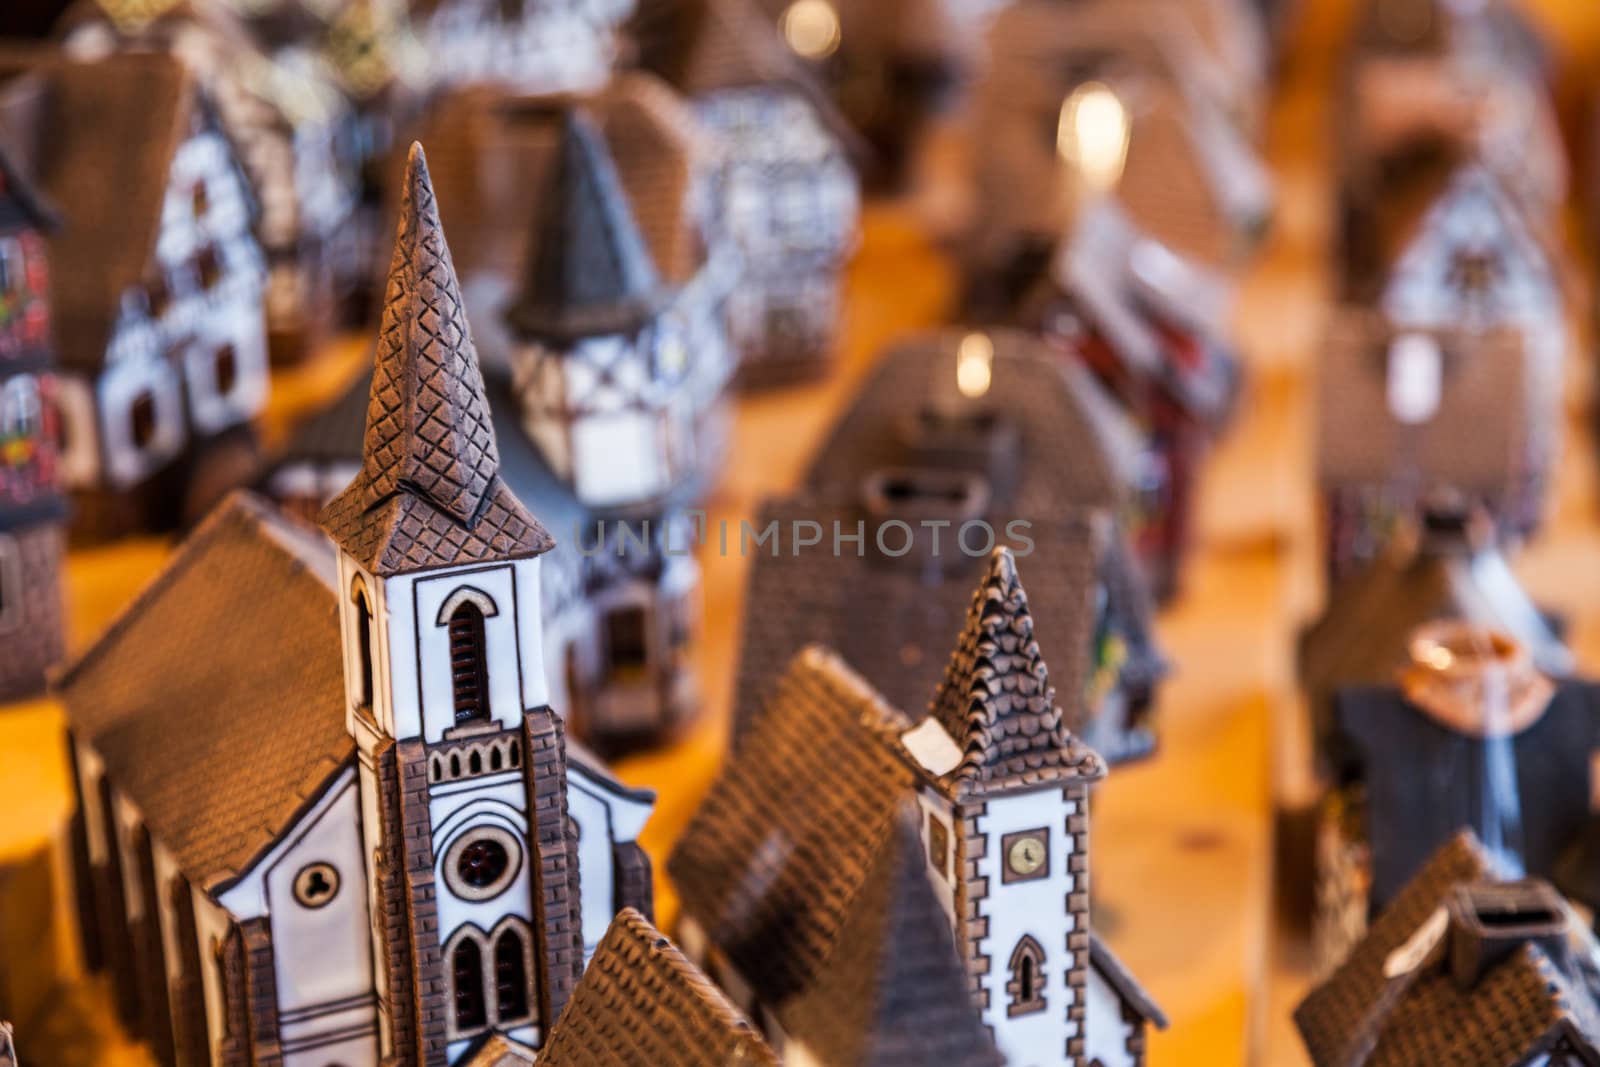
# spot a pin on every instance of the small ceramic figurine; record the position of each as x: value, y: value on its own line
x: 1473, y: 734
x: 32, y: 508
x: 1465, y: 966
x: 295, y: 135
x: 157, y: 294
x: 641, y: 1003
x: 1078, y: 103
x: 1152, y: 328
x: 823, y: 873
x: 352, y: 791
x: 785, y: 190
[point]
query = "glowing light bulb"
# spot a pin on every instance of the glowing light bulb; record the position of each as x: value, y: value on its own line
x: 1092, y: 135
x: 811, y: 28
x: 974, y: 365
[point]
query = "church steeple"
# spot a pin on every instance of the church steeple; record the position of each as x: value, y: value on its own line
x: 589, y: 271
x: 429, y: 493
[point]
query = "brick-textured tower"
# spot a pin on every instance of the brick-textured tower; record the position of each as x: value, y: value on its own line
x: 1018, y: 799
x: 473, y: 871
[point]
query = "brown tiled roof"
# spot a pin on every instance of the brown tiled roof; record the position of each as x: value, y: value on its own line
x: 704, y: 45
x: 106, y: 134
x: 1478, y: 441
x: 589, y: 270
x: 1134, y: 996
x: 499, y: 1051
x: 429, y: 492
x: 1076, y: 449
x: 996, y: 701
x: 216, y: 698
x: 779, y: 848
x: 893, y: 993
x: 657, y: 146
x: 640, y: 1003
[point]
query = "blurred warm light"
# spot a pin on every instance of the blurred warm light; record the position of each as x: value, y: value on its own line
x: 811, y: 27
x: 1092, y: 135
x: 974, y: 365
x: 135, y: 12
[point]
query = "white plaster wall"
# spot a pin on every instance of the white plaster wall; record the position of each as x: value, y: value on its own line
x: 552, y: 48
x: 80, y: 453
x: 1107, y: 1034
x: 236, y: 321
x: 604, y: 820
x: 458, y: 807
x: 90, y: 770
x: 134, y: 370
x: 933, y: 805
x: 1038, y: 908
x: 211, y: 929
x: 350, y: 630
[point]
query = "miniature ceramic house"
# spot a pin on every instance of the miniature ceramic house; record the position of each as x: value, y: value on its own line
x: 1473, y: 736
x: 1078, y: 103
x: 1450, y: 568
x: 1152, y: 329
x: 786, y: 193
x: 368, y: 853
x: 157, y: 300
x: 1462, y: 967
x: 640, y: 1003
x: 526, y: 45
x: 32, y: 512
x: 973, y: 823
x: 295, y: 136
x: 1405, y: 413
x: 620, y: 380
x: 619, y: 598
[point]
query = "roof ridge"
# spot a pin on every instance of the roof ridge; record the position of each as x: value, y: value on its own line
x: 238, y: 505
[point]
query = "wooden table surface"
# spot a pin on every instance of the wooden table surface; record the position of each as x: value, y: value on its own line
x: 1182, y: 844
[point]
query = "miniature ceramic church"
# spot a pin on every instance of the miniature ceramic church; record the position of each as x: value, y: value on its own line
x: 976, y: 819
x: 158, y: 290
x: 32, y: 511
x: 785, y: 192
x: 350, y: 828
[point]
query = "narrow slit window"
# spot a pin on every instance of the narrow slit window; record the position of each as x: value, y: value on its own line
x: 470, y: 1008
x: 364, y: 646
x: 1026, y: 985
x: 511, y: 976
x: 468, y: 673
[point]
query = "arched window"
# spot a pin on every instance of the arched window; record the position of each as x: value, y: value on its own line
x: 469, y: 675
x: 466, y: 965
x: 511, y: 976
x: 1026, y: 987
x: 363, y: 643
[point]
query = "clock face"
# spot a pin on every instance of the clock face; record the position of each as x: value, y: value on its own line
x: 1026, y: 855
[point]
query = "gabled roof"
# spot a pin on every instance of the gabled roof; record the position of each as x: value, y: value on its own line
x: 893, y: 993
x: 996, y: 701
x: 899, y: 618
x: 701, y: 46
x: 590, y: 271
x: 640, y: 1003
x: 430, y: 492
x: 215, y: 699
x: 106, y: 132
x: 785, y: 838
x: 1529, y: 1003
x: 1076, y: 447
x: 1133, y: 995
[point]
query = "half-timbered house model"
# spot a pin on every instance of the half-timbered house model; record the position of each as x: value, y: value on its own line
x: 641, y: 1003
x: 294, y: 133
x: 157, y: 292
x: 961, y: 462
x: 1079, y: 102
x: 1465, y: 966
x: 785, y: 188
x: 1403, y: 413
x: 32, y: 509
x: 842, y: 845
x: 350, y: 828
x: 531, y: 46
x: 1152, y: 328
x: 1472, y: 735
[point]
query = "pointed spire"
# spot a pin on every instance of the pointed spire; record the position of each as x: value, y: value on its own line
x: 429, y: 492
x: 428, y: 420
x: 996, y: 701
x: 589, y: 271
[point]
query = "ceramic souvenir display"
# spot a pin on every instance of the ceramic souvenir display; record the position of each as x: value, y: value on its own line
x: 297, y: 138
x: 973, y: 819
x: 157, y: 291
x: 1465, y: 966
x: 1473, y: 735
x: 641, y: 1003
x: 32, y: 506
x: 785, y: 190
x: 347, y: 825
